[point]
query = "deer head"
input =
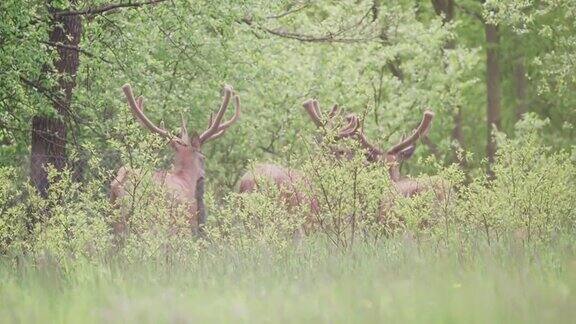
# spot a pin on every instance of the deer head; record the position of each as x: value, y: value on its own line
x: 187, y: 175
x: 312, y: 107
x: 398, y: 153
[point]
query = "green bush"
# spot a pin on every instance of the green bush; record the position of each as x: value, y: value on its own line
x: 531, y: 199
x: 70, y: 223
x: 532, y: 195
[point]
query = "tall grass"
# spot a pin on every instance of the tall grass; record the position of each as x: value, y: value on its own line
x: 396, y: 281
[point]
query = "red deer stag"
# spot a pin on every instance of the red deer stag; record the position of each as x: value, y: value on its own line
x: 392, y: 159
x: 185, y: 182
x: 288, y: 181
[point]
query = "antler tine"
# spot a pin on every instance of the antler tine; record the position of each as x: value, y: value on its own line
x: 421, y: 130
x: 222, y: 127
x: 140, y: 102
x: 311, y: 110
x: 210, y: 120
x: 351, y: 128
x: 215, y: 124
x: 335, y: 111
x: 373, y: 151
x: 236, y: 102
x: 137, y: 110
x: 217, y: 134
x: 316, y: 105
x: 354, y: 128
x: 333, y: 114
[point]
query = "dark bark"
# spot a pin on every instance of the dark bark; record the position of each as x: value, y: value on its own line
x: 394, y: 68
x: 49, y: 133
x: 375, y: 9
x: 457, y: 129
x: 445, y: 8
x: 493, y: 91
x: 520, y: 86
x: 458, y: 134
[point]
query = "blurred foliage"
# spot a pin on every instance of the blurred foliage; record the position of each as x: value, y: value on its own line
x: 385, y: 60
x: 387, y: 64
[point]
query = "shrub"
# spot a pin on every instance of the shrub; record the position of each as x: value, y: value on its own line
x: 532, y: 194
x: 71, y: 222
x: 531, y: 198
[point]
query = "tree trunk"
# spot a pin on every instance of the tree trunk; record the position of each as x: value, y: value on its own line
x: 49, y: 132
x: 520, y: 86
x: 493, y: 91
x: 445, y: 8
x: 458, y: 135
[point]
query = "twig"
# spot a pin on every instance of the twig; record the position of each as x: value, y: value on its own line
x: 327, y: 38
x: 330, y: 37
x: 470, y: 12
x: 289, y: 12
x: 77, y: 49
x: 105, y: 8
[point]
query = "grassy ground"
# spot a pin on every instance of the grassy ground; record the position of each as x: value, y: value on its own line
x: 393, y: 282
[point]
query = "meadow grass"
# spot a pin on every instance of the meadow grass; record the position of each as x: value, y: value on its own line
x: 394, y: 282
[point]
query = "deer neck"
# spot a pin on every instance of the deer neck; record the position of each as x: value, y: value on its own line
x: 185, y: 168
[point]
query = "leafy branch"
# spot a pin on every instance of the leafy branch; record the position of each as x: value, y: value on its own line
x: 106, y: 8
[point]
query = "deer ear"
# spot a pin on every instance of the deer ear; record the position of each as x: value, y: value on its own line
x: 406, y: 153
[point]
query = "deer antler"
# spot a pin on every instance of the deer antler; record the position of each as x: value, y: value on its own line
x: 312, y: 107
x: 421, y: 130
x: 215, y: 126
x: 335, y: 111
x: 351, y: 128
x: 137, y: 107
x: 373, y: 150
x: 314, y: 114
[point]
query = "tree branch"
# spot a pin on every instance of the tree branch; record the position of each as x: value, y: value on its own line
x: 375, y: 9
x: 105, y: 8
x: 289, y: 12
x: 76, y: 48
x: 330, y: 37
x: 394, y: 68
x: 41, y: 89
x: 470, y: 12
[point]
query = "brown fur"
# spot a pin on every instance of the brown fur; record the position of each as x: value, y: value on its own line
x: 408, y: 188
x: 180, y: 183
x: 287, y: 181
